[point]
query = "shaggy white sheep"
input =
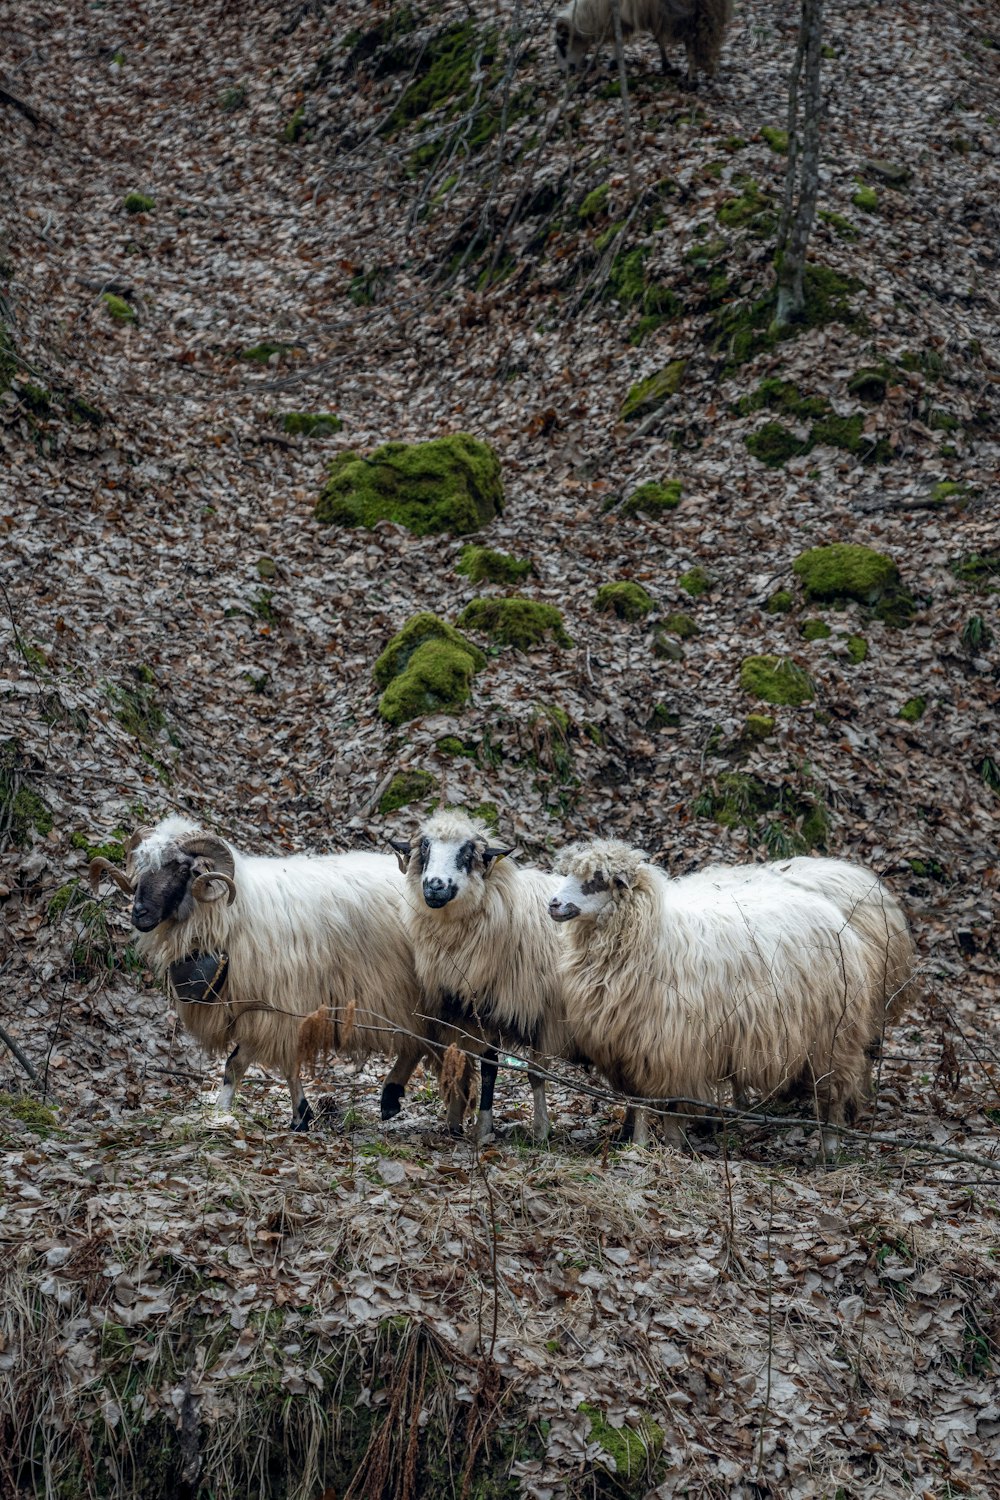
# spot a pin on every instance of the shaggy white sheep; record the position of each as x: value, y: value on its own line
x: 486, y: 955
x: 699, y: 24
x: 252, y: 945
x: 730, y: 978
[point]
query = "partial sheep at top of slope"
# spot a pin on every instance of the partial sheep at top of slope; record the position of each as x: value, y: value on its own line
x: 486, y: 955
x: 730, y: 978
x: 699, y: 25
x: 297, y: 931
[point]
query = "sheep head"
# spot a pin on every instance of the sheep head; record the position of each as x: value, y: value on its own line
x: 197, y: 868
x: 595, y: 876
x: 450, y: 857
x: 571, y: 46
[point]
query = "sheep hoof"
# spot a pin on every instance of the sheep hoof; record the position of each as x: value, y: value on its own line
x: 303, y: 1116
x: 390, y: 1105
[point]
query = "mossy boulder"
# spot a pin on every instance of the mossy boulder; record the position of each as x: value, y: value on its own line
x: 515, y: 621
x: 633, y: 1452
x: 138, y: 203
x: 695, y: 582
x: 871, y: 382
x: 629, y: 601
x: 484, y: 565
x: 654, y: 498
x: 649, y: 394
x: 681, y: 625
x: 846, y: 571
x: 815, y: 630
x: 404, y: 788
x: 757, y: 727
x: 448, y: 484
x: 775, y: 680
x: 312, y: 423
x: 780, y: 603
x: 427, y: 668
x: 773, y: 444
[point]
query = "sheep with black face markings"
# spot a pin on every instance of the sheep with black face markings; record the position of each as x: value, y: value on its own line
x: 251, y: 945
x: 729, y: 978
x: 699, y: 25
x: 486, y: 955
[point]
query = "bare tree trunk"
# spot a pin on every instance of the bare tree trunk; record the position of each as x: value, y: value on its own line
x: 802, y: 178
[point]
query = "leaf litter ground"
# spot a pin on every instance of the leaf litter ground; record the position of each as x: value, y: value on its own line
x: 181, y: 633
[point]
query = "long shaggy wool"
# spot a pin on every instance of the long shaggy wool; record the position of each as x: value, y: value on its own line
x: 304, y: 931
x: 493, y: 947
x: 698, y: 25
x: 682, y: 988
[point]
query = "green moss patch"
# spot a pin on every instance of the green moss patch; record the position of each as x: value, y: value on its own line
x: 654, y: 498
x: 427, y: 668
x: 595, y: 205
x: 865, y: 198
x: 449, y: 484
x: 782, y: 395
x: 841, y: 227
x: 780, y: 603
x: 23, y: 810
x: 757, y: 727
x: 263, y: 353
x: 404, y: 788
x: 681, y: 625
x: 138, y: 203
x: 31, y: 1113
x: 774, y: 444
x: 751, y: 210
x: 980, y: 570
x: 515, y: 621
x: 743, y: 330
x: 913, y: 709
x: 295, y: 126
x: 857, y: 649
x: 848, y: 433
x: 695, y: 582
x: 776, y: 139
x: 785, y: 819
x: 652, y: 392
x: 949, y: 492
x: 871, y: 382
x: 312, y: 423
x: 484, y: 565
x: 118, y: 308
x: 846, y: 570
x: 775, y: 680
x: 632, y: 1450
x: 815, y: 630
x: 629, y: 601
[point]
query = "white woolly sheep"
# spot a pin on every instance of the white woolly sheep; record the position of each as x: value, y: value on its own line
x: 729, y: 977
x: 486, y: 955
x: 251, y: 945
x: 699, y: 24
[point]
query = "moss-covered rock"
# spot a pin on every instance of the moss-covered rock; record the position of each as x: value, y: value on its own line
x: 312, y: 423
x: 514, y: 621
x: 629, y: 601
x: 652, y: 392
x: 421, y: 628
x: 774, y: 444
x: 848, y: 433
x: 913, y: 709
x: 871, y: 382
x: 857, y: 649
x: 681, y: 625
x: 448, y: 484
x: 775, y: 680
x: 865, y: 198
x: 450, y: 744
x: 31, y: 1113
x: 782, y: 395
x: 484, y: 565
x: 815, y: 630
x: 757, y: 727
x: 654, y: 498
x: 695, y: 582
x: 780, y: 603
x: 404, y: 788
x: 776, y: 139
x: 23, y: 810
x: 892, y: 173
x: 846, y: 570
x: 119, y: 309
x: 138, y: 203
x: 437, y: 679
x: 595, y: 204
x: 633, y: 1450
x: 751, y: 210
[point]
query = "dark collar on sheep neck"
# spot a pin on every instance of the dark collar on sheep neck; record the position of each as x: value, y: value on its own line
x: 199, y: 978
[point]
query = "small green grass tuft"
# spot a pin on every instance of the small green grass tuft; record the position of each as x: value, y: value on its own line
x: 515, y: 621
x: 980, y: 570
x: 484, y: 565
x: 595, y: 205
x: 450, y: 484
x: 629, y: 601
x: 857, y: 649
x: 404, y: 788
x: 841, y: 227
x: 865, y: 198
x: 776, y: 139
x: 775, y: 680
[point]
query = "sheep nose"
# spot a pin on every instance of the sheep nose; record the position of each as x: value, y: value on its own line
x: 562, y: 911
x: 437, y: 892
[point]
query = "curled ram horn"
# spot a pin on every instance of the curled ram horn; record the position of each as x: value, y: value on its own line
x: 201, y: 887
x: 100, y: 866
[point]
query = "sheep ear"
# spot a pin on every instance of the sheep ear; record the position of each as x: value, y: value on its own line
x: 402, y: 848
x: 491, y: 855
x: 621, y: 880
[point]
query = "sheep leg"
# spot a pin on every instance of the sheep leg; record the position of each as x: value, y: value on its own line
x: 540, y: 1113
x: 640, y: 1131
x: 488, y: 1069
x: 302, y: 1113
x: 407, y: 1058
x: 236, y: 1066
